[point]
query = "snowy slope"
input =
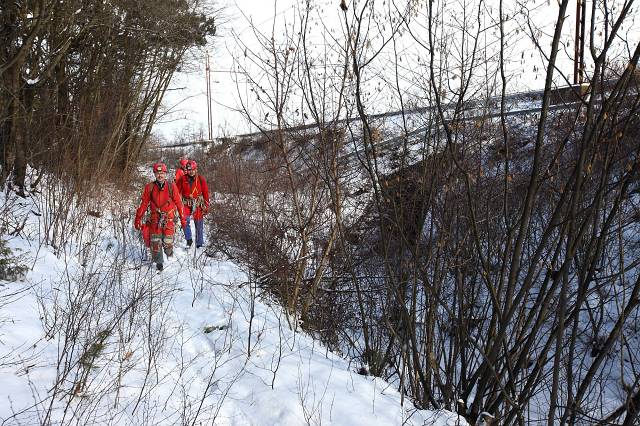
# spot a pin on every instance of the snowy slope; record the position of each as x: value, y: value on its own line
x: 93, y: 335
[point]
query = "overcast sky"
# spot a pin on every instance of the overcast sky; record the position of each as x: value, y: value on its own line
x: 186, y: 99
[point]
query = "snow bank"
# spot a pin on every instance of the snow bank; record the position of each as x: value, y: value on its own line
x: 93, y: 335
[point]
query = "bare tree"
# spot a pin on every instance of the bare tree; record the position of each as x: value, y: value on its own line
x: 82, y: 82
x: 477, y: 246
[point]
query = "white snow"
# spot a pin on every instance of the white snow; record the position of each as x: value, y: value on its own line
x: 182, y: 346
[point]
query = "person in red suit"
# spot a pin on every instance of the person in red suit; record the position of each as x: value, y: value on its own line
x: 163, y: 199
x: 195, y: 197
x: 181, y: 170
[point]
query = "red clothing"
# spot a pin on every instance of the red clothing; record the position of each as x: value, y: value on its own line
x: 163, y: 207
x: 179, y: 174
x: 195, y: 196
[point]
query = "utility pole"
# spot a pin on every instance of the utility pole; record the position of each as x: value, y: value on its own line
x: 578, y: 59
x: 209, y: 116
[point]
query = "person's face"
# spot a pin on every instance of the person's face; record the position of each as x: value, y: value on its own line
x: 192, y: 172
x: 160, y: 176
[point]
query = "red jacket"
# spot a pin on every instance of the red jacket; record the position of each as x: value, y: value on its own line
x: 195, y: 196
x: 163, y: 207
x: 179, y: 174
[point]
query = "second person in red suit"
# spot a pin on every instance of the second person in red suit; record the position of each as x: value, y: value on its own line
x: 181, y: 170
x: 195, y: 198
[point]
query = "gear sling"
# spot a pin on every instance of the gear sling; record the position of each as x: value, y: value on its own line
x: 146, y: 226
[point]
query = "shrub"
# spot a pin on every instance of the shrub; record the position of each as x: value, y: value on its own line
x: 12, y: 267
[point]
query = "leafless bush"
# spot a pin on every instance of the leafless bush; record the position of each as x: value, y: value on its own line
x: 475, y: 257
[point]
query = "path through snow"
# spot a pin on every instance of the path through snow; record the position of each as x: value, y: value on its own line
x: 95, y: 336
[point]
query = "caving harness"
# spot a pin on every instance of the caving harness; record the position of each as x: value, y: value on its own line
x: 194, y: 202
x: 153, y: 207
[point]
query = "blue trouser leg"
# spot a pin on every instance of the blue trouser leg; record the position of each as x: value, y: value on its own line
x: 199, y: 232
x: 187, y: 229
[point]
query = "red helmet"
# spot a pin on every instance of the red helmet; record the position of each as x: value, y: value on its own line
x: 183, y: 163
x: 192, y: 165
x: 160, y: 167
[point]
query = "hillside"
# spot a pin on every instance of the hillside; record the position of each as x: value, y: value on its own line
x: 91, y: 334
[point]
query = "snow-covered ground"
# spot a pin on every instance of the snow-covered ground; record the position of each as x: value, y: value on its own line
x: 93, y: 335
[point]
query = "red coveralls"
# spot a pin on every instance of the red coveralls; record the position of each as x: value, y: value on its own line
x: 163, y: 211
x: 179, y: 174
x: 195, y: 196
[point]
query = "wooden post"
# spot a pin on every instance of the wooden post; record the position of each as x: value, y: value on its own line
x: 209, y: 116
x: 578, y: 60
